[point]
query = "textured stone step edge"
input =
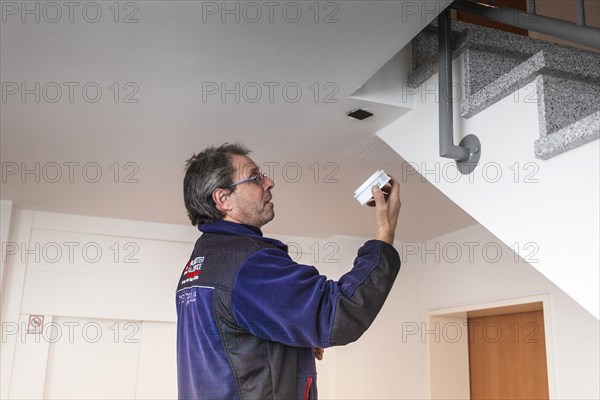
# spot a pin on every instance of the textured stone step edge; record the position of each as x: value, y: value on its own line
x: 565, y: 61
x: 550, y: 144
x: 423, y: 70
x: 562, y: 102
x: 574, y: 135
x: 508, y: 83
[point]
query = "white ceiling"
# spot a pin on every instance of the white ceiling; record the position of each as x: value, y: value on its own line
x: 167, y: 58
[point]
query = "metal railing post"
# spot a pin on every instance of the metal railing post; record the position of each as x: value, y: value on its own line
x: 530, y: 7
x: 467, y: 154
x: 580, y: 13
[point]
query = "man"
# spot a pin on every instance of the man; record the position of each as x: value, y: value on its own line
x: 249, y: 316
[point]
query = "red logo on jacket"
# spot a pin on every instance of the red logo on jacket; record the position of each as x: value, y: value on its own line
x: 192, y: 269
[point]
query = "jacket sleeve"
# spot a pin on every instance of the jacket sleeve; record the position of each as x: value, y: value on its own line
x: 277, y: 299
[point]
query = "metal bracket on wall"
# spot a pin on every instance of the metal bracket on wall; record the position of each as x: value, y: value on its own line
x: 468, y: 152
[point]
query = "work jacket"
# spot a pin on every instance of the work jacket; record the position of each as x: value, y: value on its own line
x: 248, y: 315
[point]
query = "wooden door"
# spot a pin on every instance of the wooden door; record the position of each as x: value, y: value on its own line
x: 507, y: 356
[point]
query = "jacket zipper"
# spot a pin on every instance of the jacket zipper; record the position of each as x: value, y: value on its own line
x: 308, y: 385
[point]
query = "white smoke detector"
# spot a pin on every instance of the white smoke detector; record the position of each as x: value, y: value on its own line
x: 363, y: 193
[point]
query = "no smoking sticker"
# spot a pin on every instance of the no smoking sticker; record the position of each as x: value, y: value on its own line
x: 36, y: 323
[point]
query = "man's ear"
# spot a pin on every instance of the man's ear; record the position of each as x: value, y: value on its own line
x: 221, y: 198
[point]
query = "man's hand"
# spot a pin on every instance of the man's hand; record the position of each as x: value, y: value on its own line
x: 386, y: 212
x: 318, y: 352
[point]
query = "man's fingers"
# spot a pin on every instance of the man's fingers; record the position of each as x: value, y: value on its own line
x: 394, y: 191
x: 318, y: 353
x: 378, y: 196
x: 386, y: 211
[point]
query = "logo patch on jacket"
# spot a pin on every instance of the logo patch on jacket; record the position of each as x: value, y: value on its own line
x: 192, y: 270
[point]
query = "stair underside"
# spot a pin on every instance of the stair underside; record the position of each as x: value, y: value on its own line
x: 497, y: 63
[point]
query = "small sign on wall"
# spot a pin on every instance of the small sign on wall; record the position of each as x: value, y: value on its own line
x: 36, y: 324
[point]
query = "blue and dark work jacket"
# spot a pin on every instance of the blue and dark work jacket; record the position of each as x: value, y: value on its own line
x: 248, y: 316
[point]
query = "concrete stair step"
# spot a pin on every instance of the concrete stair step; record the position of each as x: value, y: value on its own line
x: 498, y: 63
x: 569, y: 113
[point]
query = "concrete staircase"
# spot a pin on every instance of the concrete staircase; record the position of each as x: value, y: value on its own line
x: 566, y: 81
x: 515, y: 92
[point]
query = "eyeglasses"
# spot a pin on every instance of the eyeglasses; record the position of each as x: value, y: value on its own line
x: 259, y: 179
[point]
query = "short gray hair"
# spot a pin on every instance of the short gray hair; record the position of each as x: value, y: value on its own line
x: 205, y: 172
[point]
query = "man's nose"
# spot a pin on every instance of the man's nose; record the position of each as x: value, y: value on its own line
x: 268, y: 182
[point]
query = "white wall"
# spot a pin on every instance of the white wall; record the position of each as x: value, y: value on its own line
x: 5, y: 216
x: 391, y: 360
x: 548, y: 210
x: 105, y: 290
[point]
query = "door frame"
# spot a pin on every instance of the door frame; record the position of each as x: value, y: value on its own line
x: 448, y: 359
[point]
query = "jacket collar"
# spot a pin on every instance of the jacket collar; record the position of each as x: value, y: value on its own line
x: 233, y: 228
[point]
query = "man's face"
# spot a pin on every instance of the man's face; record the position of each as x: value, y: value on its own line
x: 251, y: 202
